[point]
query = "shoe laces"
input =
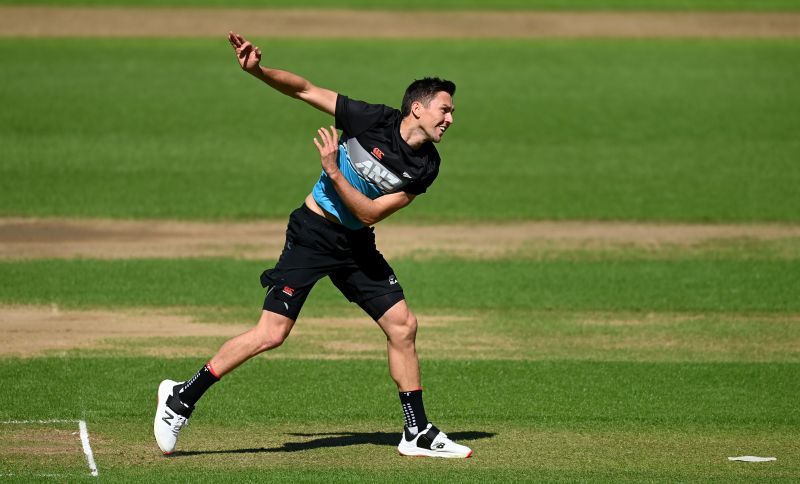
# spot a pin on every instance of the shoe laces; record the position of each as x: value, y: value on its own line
x: 179, y: 423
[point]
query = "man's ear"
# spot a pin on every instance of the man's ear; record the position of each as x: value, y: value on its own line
x: 416, y: 106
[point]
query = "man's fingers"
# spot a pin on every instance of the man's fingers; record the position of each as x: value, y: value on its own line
x: 335, y: 135
x: 328, y: 140
x: 243, y: 49
x: 244, y: 53
x: 328, y: 144
x: 235, y: 39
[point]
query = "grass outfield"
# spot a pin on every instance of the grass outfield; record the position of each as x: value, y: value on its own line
x: 665, y: 5
x: 562, y: 369
x: 619, y: 285
x: 526, y: 420
x: 633, y: 130
x: 609, y: 364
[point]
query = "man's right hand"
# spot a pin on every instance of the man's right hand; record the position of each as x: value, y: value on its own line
x: 248, y: 55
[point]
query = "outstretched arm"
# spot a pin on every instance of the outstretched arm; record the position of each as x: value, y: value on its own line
x: 368, y: 211
x: 249, y: 57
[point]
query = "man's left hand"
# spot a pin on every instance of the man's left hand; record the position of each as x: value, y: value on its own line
x: 328, y: 149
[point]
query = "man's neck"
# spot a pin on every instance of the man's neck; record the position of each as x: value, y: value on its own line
x: 412, y: 134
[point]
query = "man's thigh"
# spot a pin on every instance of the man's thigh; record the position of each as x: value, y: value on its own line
x: 299, y: 267
x: 287, y: 290
x: 371, y: 284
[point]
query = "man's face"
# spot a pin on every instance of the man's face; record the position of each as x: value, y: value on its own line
x: 437, y: 116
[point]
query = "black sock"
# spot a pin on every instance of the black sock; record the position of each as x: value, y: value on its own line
x: 192, y: 390
x: 414, y: 411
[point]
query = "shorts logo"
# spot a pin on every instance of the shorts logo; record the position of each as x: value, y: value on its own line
x: 378, y: 153
x: 288, y: 291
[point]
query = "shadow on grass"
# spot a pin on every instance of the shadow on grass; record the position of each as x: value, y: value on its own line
x: 332, y: 439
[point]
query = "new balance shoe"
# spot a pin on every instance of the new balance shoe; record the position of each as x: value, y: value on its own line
x: 431, y: 442
x: 171, y: 416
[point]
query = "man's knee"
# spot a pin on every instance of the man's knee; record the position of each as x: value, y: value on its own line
x: 269, y: 342
x: 401, y: 326
x: 410, y: 326
x: 272, y: 330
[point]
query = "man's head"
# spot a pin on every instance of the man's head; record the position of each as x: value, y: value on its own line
x: 429, y: 102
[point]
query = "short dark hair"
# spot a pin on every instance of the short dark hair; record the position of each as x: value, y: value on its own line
x: 423, y: 90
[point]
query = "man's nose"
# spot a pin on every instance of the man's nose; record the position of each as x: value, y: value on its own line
x: 449, y: 118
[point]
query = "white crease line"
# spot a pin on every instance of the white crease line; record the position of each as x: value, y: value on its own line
x: 24, y: 422
x: 11, y: 474
x: 87, y: 449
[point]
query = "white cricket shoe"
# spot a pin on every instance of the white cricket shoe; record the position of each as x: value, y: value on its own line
x: 171, y: 416
x: 431, y: 442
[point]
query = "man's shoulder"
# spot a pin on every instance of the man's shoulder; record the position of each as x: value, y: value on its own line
x: 356, y: 106
x: 355, y: 117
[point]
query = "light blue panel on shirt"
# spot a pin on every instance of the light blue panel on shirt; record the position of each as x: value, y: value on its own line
x: 328, y: 198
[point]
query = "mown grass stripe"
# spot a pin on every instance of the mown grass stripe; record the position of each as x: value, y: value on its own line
x: 556, y: 394
x: 641, y: 130
x: 726, y: 286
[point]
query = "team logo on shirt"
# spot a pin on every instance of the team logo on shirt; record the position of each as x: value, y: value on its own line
x: 369, y: 168
x: 372, y: 170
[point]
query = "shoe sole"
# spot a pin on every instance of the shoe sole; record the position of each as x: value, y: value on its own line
x: 440, y: 456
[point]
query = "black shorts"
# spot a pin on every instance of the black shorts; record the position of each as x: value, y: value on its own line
x: 316, y: 247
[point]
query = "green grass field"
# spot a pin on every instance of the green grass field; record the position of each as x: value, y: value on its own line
x: 724, y: 285
x: 635, y: 130
x: 601, y: 368
x: 664, y: 5
x: 599, y: 363
x: 559, y: 420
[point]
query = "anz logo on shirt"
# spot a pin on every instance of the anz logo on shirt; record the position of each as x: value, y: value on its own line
x: 374, y: 171
x: 371, y: 169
